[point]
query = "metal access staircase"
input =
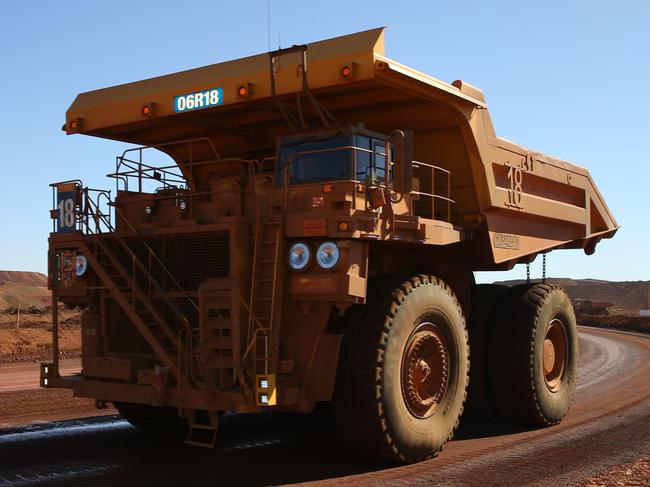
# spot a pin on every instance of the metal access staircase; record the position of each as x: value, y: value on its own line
x: 135, y: 301
x: 162, y: 339
x: 174, y: 347
x: 196, y: 357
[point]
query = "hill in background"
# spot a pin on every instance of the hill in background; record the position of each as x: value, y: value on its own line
x: 24, y: 288
x: 627, y: 296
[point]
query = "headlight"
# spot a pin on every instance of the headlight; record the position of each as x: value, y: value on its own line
x: 299, y: 255
x: 81, y: 265
x: 327, y: 255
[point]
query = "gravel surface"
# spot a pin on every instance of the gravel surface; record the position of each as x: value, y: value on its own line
x: 633, y: 474
x: 43, y: 405
x: 24, y: 376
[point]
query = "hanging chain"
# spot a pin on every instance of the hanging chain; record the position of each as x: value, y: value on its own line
x: 543, y: 270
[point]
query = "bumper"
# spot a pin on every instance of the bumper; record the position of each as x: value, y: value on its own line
x: 142, y: 394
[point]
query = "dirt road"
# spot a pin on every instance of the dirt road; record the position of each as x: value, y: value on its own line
x: 609, y: 424
x: 20, y: 377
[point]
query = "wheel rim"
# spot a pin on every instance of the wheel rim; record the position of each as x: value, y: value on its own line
x: 425, y: 370
x: 554, y: 354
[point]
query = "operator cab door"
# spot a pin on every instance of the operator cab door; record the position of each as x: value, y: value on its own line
x: 371, y: 160
x: 378, y: 162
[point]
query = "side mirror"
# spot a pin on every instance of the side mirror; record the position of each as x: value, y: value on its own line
x: 401, y: 145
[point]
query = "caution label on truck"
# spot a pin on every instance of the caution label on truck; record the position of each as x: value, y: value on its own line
x: 198, y: 100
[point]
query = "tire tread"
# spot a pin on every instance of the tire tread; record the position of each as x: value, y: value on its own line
x: 364, y: 425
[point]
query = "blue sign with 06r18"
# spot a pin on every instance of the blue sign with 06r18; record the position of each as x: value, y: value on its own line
x: 198, y: 100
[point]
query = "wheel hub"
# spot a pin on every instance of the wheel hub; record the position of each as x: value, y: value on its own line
x: 425, y: 370
x: 549, y: 356
x: 554, y: 355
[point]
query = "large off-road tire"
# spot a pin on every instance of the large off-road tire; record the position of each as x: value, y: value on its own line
x: 486, y: 300
x: 534, y: 375
x: 403, y: 371
x: 152, y: 419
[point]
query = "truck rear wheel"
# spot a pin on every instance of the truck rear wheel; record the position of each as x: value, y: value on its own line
x: 486, y: 299
x: 403, y: 371
x: 537, y: 375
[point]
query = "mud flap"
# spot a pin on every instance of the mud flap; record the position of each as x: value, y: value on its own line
x: 322, y: 373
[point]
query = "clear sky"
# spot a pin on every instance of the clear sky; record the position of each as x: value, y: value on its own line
x: 568, y: 78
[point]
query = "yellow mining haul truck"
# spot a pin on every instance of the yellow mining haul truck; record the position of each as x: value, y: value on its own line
x: 302, y: 226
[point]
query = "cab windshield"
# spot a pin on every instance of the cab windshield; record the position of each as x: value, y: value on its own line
x: 353, y: 157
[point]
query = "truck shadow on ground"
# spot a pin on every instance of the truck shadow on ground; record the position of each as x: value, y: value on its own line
x: 252, y: 449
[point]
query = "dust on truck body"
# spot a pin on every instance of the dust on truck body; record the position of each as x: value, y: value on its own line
x: 314, y: 240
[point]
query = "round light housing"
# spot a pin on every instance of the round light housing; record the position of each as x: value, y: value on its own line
x: 148, y: 210
x: 182, y: 204
x: 81, y: 265
x: 299, y: 255
x: 327, y: 255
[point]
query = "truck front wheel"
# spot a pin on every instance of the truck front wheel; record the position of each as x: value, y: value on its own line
x: 403, y: 371
x: 155, y: 420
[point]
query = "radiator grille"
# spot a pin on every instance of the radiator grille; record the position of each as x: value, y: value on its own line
x: 122, y: 334
x: 190, y: 259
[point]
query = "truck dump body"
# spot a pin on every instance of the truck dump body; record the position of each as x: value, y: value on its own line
x: 514, y: 201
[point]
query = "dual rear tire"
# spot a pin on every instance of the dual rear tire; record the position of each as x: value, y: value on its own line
x: 524, y: 353
x: 533, y: 372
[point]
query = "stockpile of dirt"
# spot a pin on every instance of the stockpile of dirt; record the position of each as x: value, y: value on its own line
x: 28, y: 336
x: 26, y: 320
x: 29, y: 344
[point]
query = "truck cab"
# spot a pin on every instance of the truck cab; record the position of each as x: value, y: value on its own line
x: 354, y: 154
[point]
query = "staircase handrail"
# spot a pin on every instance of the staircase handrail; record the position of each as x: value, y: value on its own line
x: 101, y: 218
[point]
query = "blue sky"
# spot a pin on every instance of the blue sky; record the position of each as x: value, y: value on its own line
x: 571, y: 79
